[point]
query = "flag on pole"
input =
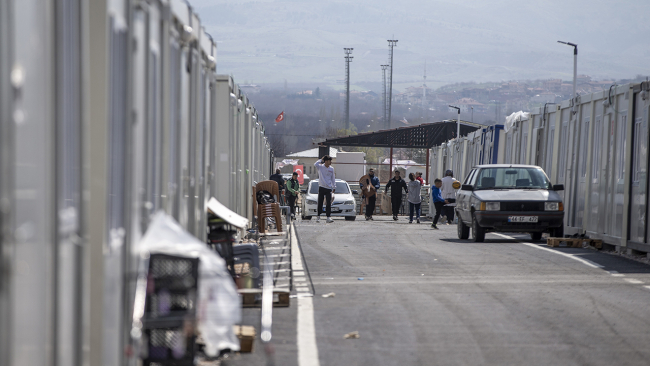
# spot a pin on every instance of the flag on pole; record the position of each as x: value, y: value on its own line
x: 280, y: 117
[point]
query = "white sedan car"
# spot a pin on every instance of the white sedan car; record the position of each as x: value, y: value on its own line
x: 342, y: 205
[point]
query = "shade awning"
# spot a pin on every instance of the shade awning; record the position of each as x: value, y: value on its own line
x: 423, y: 136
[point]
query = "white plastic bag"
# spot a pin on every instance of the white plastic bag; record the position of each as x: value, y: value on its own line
x: 219, y: 306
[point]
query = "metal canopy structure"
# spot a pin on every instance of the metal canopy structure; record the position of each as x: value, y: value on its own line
x: 423, y: 136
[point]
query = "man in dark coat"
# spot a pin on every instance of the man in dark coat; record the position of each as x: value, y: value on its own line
x: 396, y: 185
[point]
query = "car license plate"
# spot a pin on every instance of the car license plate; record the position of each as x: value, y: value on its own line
x: 522, y: 218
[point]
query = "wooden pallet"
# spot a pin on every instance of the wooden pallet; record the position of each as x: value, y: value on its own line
x: 252, y: 297
x: 575, y: 242
x: 246, y: 336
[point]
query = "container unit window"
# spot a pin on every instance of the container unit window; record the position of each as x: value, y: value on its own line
x: 508, y: 149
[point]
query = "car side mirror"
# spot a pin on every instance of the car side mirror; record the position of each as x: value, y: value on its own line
x: 466, y: 187
x: 354, y: 191
x: 303, y: 191
x: 558, y: 187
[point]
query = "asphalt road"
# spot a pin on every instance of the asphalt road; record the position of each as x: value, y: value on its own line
x: 419, y: 296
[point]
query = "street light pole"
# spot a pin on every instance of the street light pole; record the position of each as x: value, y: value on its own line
x: 457, y: 121
x: 575, y: 64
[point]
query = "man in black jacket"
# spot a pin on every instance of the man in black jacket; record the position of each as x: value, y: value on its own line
x: 277, y: 177
x: 396, y: 184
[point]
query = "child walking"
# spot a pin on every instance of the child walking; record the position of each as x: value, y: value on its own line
x: 437, y: 200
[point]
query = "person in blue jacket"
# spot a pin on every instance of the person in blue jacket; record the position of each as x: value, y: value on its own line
x: 437, y: 200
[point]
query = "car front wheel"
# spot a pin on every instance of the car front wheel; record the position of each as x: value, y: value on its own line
x: 463, y: 230
x: 536, y: 236
x: 478, y: 233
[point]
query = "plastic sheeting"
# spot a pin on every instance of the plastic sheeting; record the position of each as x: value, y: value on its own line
x: 513, y: 118
x: 219, y: 306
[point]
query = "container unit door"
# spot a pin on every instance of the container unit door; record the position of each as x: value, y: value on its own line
x: 173, y: 158
x: 34, y: 225
x: 69, y: 261
x: 549, y: 151
x: 120, y: 165
x: 598, y: 148
x: 523, y: 151
x: 621, y: 120
x: 194, y: 146
x: 642, y: 110
x: 7, y: 176
x: 638, y: 190
x: 508, y: 157
x: 563, y: 153
x: 154, y: 158
x: 203, y: 134
x: 573, y: 169
x: 537, y: 147
x: 582, y: 161
x: 184, y: 145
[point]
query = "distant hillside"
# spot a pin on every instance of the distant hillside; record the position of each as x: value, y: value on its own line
x: 461, y: 40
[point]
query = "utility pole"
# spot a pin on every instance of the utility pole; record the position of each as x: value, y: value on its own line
x: 575, y: 64
x: 391, y: 43
x: 348, y: 59
x: 383, y: 96
x: 457, y: 121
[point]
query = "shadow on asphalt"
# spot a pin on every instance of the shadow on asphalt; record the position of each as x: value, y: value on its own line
x: 487, y: 241
x: 610, y: 262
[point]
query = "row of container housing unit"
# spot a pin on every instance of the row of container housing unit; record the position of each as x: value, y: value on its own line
x: 596, y: 145
x: 111, y: 111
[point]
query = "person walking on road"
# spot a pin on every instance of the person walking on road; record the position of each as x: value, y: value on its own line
x: 449, y: 194
x: 437, y: 200
x: 277, y: 177
x: 396, y: 185
x: 414, y: 198
x: 293, y: 187
x: 370, y: 193
x: 326, y: 186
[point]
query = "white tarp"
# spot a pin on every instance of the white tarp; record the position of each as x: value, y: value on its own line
x: 404, y: 164
x: 515, y: 117
x: 226, y: 214
x: 219, y: 306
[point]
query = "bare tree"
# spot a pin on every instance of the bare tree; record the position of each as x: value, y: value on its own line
x: 278, y: 145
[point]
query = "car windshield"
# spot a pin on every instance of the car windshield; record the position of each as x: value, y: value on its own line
x: 341, y: 188
x: 512, y: 178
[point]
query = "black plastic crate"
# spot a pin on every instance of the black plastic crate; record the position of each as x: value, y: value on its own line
x: 170, y: 346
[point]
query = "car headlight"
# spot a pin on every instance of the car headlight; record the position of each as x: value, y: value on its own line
x: 310, y: 202
x: 490, y: 206
x: 553, y: 206
x: 349, y: 202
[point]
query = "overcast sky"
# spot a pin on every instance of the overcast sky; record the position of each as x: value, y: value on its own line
x: 269, y: 41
